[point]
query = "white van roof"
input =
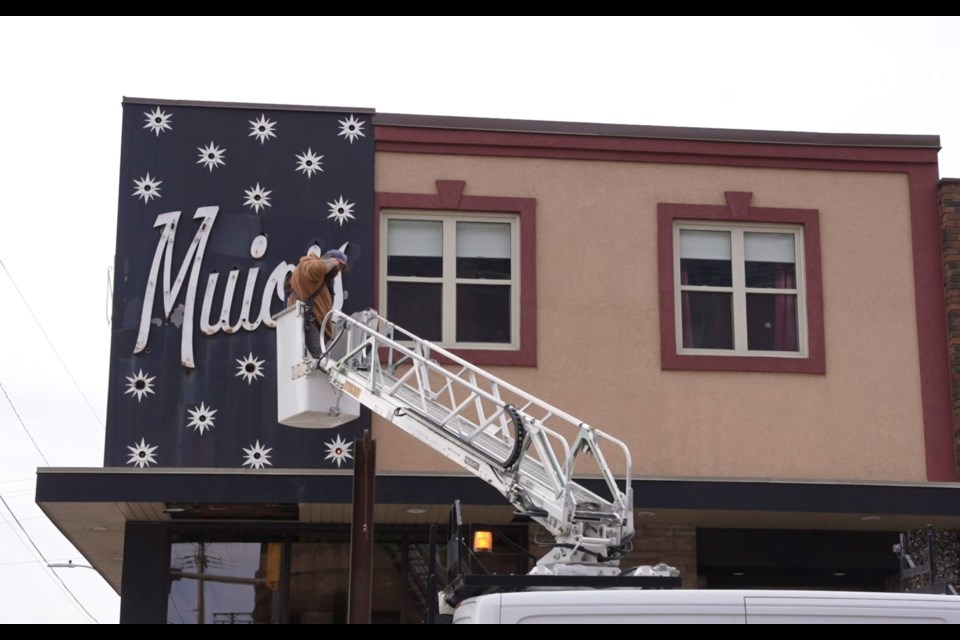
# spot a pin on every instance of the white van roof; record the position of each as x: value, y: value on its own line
x: 705, y: 596
x: 706, y: 606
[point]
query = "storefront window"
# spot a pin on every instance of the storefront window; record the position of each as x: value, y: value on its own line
x: 223, y: 582
x: 270, y: 576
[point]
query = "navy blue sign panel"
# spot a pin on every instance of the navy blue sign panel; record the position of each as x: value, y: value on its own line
x: 217, y: 204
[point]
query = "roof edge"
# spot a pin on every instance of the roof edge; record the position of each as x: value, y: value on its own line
x: 756, y: 136
x: 243, y: 105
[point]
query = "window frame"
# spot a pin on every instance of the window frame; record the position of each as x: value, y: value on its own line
x: 738, y: 214
x: 449, y: 280
x: 738, y: 288
x: 450, y: 198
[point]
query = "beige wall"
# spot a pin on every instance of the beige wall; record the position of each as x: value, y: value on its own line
x: 598, y: 321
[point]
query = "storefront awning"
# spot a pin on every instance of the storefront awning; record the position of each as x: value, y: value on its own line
x: 92, y: 506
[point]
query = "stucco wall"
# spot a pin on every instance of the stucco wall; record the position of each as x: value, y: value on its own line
x: 598, y: 321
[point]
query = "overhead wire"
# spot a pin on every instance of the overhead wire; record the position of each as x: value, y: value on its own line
x: 10, y: 524
x: 23, y: 424
x: 19, y: 523
x: 49, y: 342
x: 12, y: 480
x: 46, y: 562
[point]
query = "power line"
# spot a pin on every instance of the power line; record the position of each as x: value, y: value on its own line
x: 46, y: 562
x: 7, y: 564
x: 21, y: 492
x: 18, y: 522
x: 55, y: 352
x: 22, y: 424
x: 10, y: 524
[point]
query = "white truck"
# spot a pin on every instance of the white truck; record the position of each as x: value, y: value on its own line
x: 528, y: 450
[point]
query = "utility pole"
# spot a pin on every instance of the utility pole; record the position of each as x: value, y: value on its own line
x: 361, y: 532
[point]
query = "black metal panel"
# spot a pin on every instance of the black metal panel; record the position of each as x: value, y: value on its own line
x: 146, y: 565
x: 298, y: 216
x: 797, y: 496
x: 193, y: 488
x: 78, y: 486
x: 778, y: 549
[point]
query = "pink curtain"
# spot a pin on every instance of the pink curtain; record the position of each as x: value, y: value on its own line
x: 785, y: 311
x: 685, y: 310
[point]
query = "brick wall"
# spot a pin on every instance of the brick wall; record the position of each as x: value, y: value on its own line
x: 950, y: 237
x: 948, y: 542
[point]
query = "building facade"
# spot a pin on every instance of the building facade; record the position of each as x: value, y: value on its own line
x: 759, y: 316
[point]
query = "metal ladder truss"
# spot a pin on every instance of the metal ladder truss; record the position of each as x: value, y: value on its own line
x: 524, y: 447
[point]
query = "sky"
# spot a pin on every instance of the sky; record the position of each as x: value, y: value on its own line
x: 63, y: 81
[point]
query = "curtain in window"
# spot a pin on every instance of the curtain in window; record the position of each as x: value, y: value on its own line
x: 785, y: 311
x: 685, y: 309
x: 706, y: 317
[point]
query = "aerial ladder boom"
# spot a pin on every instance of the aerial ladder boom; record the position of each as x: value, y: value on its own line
x: 519, y: 444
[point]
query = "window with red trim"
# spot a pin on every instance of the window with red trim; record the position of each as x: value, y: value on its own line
x: 460, y: 271
x: 740, y: 287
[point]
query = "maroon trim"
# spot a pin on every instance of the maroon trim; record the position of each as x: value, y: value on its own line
x: 584, y: 147
x: 593, y: 129
x: 931, y: 305
x: 738, y: 209
x: 449, y: 197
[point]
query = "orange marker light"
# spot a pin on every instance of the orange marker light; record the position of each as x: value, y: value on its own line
x: 482, y: 541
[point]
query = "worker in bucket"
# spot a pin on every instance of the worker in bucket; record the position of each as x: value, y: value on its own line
x: 312, y: 282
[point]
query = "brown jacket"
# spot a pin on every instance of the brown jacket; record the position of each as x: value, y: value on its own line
x: 307, y: 277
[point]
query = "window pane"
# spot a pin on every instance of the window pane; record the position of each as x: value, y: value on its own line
x: 225, y: 603
x: 233, y: 559
x: 483, y: 313
x: 416, y: 307
x: 224, y: 582
x: 415, y: 248
x: 483, y: 250
x: 707, y: 320
x: 182, y: 601
x: 770, y: 260
x: 772, y: 322
x: 705, y: 258
x: 485, y: 268
x: 319, y: 582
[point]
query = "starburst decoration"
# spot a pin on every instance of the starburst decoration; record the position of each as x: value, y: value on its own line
x: 257, y: 197
x: 309, y: 162
x: 351, y: 128
x: 257, y: 456
x: 158, y: 121
x: 147, y: 187
x: 338, y: 451
x: 201, y: 418
x: 262, y: 129
x: 250, y: 368
x: 140, y: 385
x: 341, y: 210
x: 211, y: 156
x: 141, y: 455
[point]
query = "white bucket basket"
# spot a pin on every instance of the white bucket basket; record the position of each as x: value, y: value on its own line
x: 308, y: 401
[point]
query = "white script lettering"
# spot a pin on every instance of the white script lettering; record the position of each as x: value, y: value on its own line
x: 192, y: 263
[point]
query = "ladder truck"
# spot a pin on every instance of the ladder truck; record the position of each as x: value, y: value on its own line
x: 524, y: 447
